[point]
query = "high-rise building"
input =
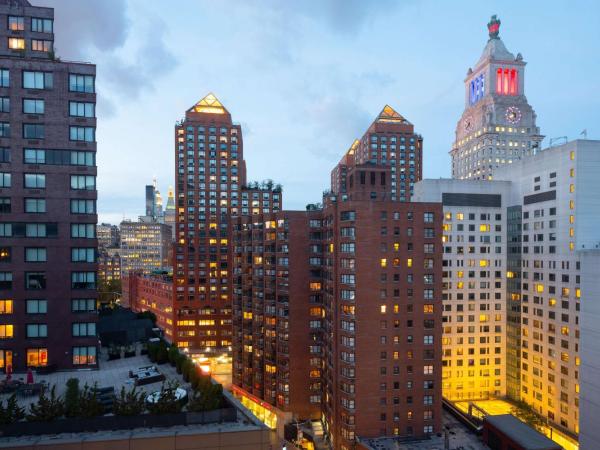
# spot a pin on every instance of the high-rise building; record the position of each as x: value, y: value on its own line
x: 277, y: 315
x: 474, y: 282
x: 498, y: 126
x: 170, y: 212
x: 211, y: 177
x: 389, y: 141
x: 150, y: 201
x: 47, y: 197
x: 144, y: 246
x: 108, y: 235
x: 109, y: 265
x: 382, y: 288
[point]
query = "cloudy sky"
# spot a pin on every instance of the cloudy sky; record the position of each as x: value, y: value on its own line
x: 305, y: 78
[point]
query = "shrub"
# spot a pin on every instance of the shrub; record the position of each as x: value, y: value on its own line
x: 47, y: 408
x: 186, y: 369
x: 179, y: 362
x: 72, y: 397
x: 211, y: 397
x: 167, y: 402
x: 12, y: 412
x: 152, y: 351
x: 162, y: 355
x: 89, y: 403
x: 173, y: 355
x: 130, y: 403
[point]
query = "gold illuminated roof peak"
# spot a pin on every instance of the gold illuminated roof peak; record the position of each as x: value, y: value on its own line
x: 210, y: 104
x: 389, y: 114
x: 353, y: 147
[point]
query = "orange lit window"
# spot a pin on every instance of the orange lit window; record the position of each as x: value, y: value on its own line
x: 428, y: 308
x: 315, y: 286
x: 409, y: 262
x: 16, y: 43
x: 383, y: 262
x: 6, y: 306
x: 37, y: 357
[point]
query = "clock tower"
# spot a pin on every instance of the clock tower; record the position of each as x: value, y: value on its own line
x: 498, y: 126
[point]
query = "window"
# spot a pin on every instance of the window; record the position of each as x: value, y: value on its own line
x: 5, y: 206
x: 41, y: 45
x: 6, y: 306
x: 34, y: 156
x: 84, y: 329
x: 6, y: 331
x: 83, y: 305
x: 428, y: 217
x: 83, y: 280
x: 507, y: 81
x: 16, y: 43
x: 5, y: 180
x: 37, y: 80
x: 83, y: 206
x: 5, y: 254
x: 4, y: 129
x: 86, y: 134
x: 37, y: 330
x: 83, y: 356
x: 83, y: 230
x: 37, y: 306
x: 35, y: 280
x: 4, y: 155
x: 4, y: 104
x: 5, y: 280
x: 4, y: 78
x: 35, y: 230
x: 5, y: 231
x: 81, y: 109
x: 80, y: 158
x: 16, y: 23
x: 35, y: 254
x: 83, y: 182
x: 33, y: 106
x: 35, y: 205
x: 35, y: 180
x: 83, y: 255
x: 81, y: 83
x: 34, y: 131
x: 37, y: 357
x: 41, y: 25
x: 348, y: 215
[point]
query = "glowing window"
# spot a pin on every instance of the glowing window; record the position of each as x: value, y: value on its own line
x: 382, y: 309
x: 16, y: 43
x: 409, y: 262
x: 383, y: 262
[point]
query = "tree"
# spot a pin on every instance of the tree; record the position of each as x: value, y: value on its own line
x: 167, y: 402
x: 526, y: 414
x: 109, y: 291
x: 47, y: 409
x: 72, y: 398
x: 162, y: 355
x: 130, y: 403
x: 186, y: 369
x: 12, y: 412
x: 147, y: 315
x: 180, y: 361
x: 207, y: 399
x: 89, y: 403
x: 173, y: 354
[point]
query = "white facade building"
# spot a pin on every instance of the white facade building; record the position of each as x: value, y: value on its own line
x: 498, y: 126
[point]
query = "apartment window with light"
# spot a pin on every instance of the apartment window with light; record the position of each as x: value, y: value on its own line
x: 16, y: 43
x: 6, y: 331
x: 37, y: 357
x: 6, y: 307
x: 41, y: 45
x: 84, y: 356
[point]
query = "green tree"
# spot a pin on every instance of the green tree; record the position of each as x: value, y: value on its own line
x: 207, y: 399
x: 186, y: 368
x: 47, y: 409
x: 89, y: 403
x: 131, y: 403
x: 162, y: 355
x: 109, y: 291
x: 173, y: 354
x: 181, y: 358
x: 147, y: 315
x: 12, y: 412
x: 167, y: 402
x: 72, y: 398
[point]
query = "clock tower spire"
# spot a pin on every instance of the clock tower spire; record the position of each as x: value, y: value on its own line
x: 498, y: 126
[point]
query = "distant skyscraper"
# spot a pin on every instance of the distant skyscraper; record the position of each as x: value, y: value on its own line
x: 48, y: 197
x: 498, y: 126
x: 170, y: 212
x: 144, y: 246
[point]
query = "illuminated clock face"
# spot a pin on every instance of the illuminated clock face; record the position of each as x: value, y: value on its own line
x: 468, y: 123
x: 513, y: 115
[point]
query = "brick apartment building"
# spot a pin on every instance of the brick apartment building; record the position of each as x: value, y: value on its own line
x: 47, y: 197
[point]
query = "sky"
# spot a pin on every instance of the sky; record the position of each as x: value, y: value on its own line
x: 305, y: 78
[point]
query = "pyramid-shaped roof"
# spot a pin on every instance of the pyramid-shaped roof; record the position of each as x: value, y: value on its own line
x: 209, y: 104
x: 389, y: 114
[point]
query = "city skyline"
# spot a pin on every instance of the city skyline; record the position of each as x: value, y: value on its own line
x: 262, y: 75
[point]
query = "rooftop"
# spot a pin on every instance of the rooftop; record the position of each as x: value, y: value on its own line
x: 521, y: 433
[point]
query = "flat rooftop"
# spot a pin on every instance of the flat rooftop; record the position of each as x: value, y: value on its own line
x: 459, y: 437
x: 521, y: 433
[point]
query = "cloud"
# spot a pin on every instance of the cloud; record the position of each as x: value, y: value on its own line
x: 130, y: 55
